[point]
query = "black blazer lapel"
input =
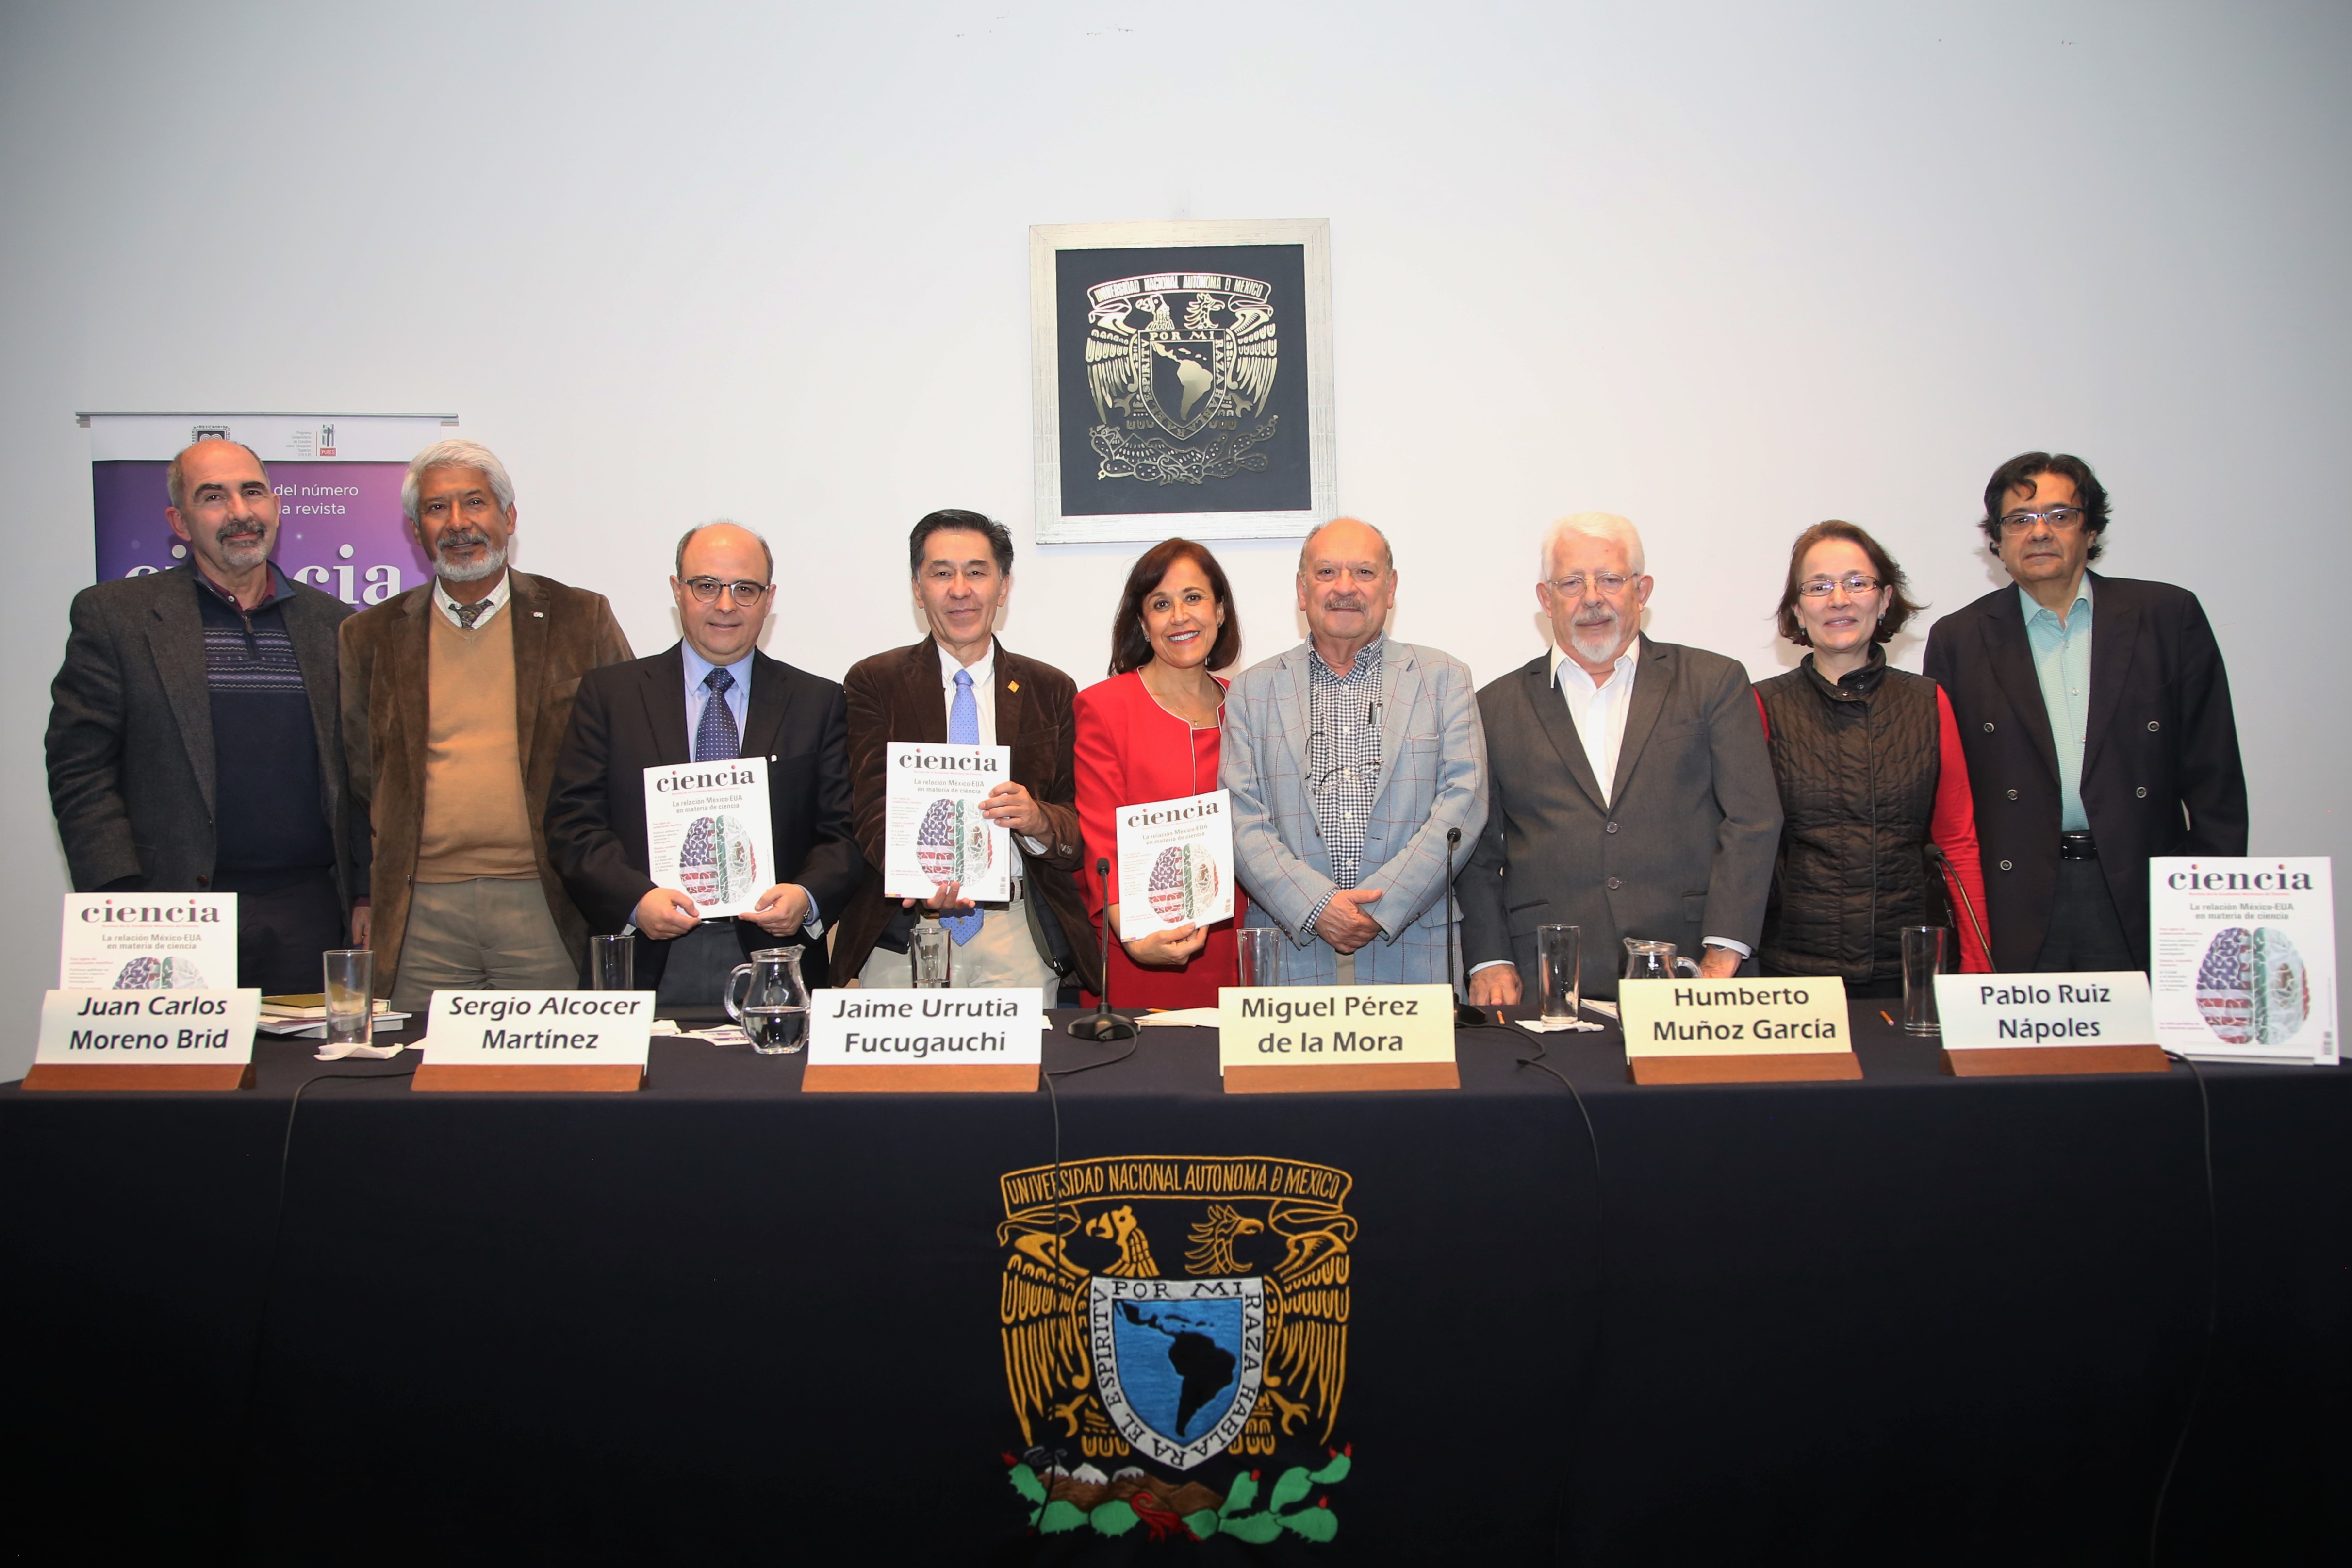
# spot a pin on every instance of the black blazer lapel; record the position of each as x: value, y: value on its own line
x: 1658, y: 668
x: 1551, y: 714
x: 2010, y: 658
x: 772, y: 693
x: 2115, y: 638
x: 665, y: 698
x: 176, y: 637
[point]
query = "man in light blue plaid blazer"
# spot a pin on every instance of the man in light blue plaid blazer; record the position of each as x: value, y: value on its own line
x: 1348, y: 757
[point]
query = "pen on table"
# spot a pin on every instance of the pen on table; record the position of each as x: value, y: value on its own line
x: 1888, y: 1017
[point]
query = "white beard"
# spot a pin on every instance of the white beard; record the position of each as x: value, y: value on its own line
x: 492, y: 563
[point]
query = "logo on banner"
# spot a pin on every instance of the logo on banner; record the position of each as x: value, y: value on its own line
x: 1182, y: 366
x: 1174, y: 1328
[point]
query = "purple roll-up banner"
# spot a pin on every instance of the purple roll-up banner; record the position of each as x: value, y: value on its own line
x: 337, y: 475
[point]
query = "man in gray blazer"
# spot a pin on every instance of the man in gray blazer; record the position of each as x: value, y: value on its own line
x: 1631, y: 795
x: 1349, y: 759
x: 194, y: 740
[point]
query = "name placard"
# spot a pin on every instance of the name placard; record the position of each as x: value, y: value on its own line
x: 1736, y: 1031
x: 592, y: 1042
x: 2088, y: 1022
x: 1316, y: 1039
x: 178, y: 1039
x: 946, y: 1041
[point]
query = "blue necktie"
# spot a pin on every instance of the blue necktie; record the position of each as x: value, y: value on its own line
x: 963, y: 729
x: 715, y: 738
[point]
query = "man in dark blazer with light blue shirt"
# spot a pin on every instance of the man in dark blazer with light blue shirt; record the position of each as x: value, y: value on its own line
x: 713, y: 697
x: 1677, y: 846
x: 2095, y: 715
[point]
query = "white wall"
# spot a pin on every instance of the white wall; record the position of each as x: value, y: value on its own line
x: 1726, y: 268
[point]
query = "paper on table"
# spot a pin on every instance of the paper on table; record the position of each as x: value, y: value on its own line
x: 327, y: 1053
x: 315, y: 1028
x: 1183, y: 1019
x: 1556, y: 1026
x: 1175, y: 863
x: 708, y: 833
x: 933, y: 833
x: 2244, y: 958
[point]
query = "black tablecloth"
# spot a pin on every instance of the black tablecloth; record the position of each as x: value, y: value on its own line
x: 1908, y: 1319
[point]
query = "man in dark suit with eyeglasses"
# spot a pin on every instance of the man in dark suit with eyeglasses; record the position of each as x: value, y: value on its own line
x: 712, y: 698
x: 2095, y: 714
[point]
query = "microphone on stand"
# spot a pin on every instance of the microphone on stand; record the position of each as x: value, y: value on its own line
x: 1105, y: 1025
x: 1465, y: 1014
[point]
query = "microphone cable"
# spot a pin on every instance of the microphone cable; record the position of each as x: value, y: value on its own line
x: 245, y: 1434
x: 2212, y: 1307
x: 1596, y: 1341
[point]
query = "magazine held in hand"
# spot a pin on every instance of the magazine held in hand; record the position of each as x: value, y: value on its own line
x: 707, y: 835
x: 1175, y: 864
x: 933, y: 831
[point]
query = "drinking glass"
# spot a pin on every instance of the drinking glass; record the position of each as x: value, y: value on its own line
x: 776, y: 1003
x: 1927, y: 952
x: 1560, y: 952
x: 1260, y: 950
x: 932, y: 956
x: 351, y: 994
x: 613, y: 962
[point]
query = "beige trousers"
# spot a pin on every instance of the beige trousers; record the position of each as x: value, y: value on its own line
x: 1002, y: 954
x: 491, y: 933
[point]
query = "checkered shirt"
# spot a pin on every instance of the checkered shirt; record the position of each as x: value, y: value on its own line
x: 1343, y: 755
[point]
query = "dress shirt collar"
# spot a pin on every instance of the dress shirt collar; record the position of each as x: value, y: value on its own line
x: 1620, y: 670
x: 1365, y: 666
x: 699, y: 669
x: 2035, y: 609
x: 491, y: 601
x: 983, y: 669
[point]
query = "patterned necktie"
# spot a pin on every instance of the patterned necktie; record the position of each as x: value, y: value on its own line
x: 963, y: 729
x: 469, y: 614
x: 715, y: 738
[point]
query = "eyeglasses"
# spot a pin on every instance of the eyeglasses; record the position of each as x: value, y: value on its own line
x: 2060, y: 519
x: 1611, y: 584
x: 1854, y: 583
x: 706, y: 589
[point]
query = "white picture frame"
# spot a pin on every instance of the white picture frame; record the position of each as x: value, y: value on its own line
x: 1058, y: 336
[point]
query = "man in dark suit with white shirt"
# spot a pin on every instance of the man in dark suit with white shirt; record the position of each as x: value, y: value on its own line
x: 711, y: 698
x: 1629, y: 792
x: 2089, y: 751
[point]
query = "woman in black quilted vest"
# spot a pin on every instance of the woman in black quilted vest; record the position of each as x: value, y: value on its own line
x: 1873, y: 782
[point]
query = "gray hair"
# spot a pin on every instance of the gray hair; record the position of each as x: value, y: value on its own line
x: 688, y: 538
x: 1603, y: 525
x: 1388, y: 553
x: 455, y: 453
x: 175, y: 478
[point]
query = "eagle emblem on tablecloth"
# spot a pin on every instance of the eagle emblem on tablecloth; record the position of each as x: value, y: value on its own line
x: 1181, y: 368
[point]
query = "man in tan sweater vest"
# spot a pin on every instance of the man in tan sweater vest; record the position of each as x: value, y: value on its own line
x: 456, y: 697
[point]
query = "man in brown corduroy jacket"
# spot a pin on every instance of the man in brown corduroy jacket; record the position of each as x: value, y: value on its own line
x: 456, y: 696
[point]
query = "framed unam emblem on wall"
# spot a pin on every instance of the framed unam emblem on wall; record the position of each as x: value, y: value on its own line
x: 1182, y: 379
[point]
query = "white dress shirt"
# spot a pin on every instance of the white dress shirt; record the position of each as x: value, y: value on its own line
x: 983, y: 696
x: 490, y: 601
x: 1599, y: 713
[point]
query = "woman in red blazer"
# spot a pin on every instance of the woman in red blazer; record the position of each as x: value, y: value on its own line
x: 1149, y: 733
